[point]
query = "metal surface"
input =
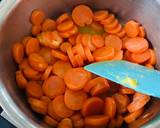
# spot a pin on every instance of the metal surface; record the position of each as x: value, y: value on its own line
x: 14, y: 24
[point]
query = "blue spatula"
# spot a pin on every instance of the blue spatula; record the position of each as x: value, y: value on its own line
x: 130, y: 75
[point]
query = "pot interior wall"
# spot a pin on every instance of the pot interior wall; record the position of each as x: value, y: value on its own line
x: 17, y: 26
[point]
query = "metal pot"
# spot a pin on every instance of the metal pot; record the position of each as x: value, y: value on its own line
x: 14, y: 24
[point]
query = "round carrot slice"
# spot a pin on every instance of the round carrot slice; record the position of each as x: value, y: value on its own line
x: 25, y: 39
x: 64, y: 46
x: 78, y: 123
x: 111, y: 25
x: 21, y: 80
x: 60, y: 55
x: 140, y: 57
x: 139, y: 100
x: 118, y: 55
x: 101, y: 15
x: 47, y: 73
x: 104, y: 53
x: 45, y: 99
x: 32, y: 46
x: 34, y: 89
x: 62, y: 18
x: 76, y: 116
x: 149, y: 66
x: 65, y: 123
x: 88, y: 54
x: 98, y: 120
x: 37, y: 62
x: 18, y: 52
x: 92, y: 106
x: 137, y: 45
x: 152, y: 59
x: 79, y: 39
x: 78, y: 80
x: 36, y: 29
x: 108, y: 20
x: 124, y: 39
x: 126, y: 91
x: 64, y: 26
x: 121, y: 34
x: 79, y: 60
x: 133, y: 116
x: 37, y: 17
x: 97, y: 26
x: 115, y: 30
x: 60, y: 108
x: 80, y: 50
x: 60, y: 68
x: 97, y: 41
x: 50, y: 121
x: 131, y: 28
x: 24, y: 64
x: 127, y: 55
x: 53, y: 86
x: 48, y: 25
x: 72, y: 39
x: 82, y: 15
x: 141, y: 32
x: 110, y: 107
x: 74, y: 99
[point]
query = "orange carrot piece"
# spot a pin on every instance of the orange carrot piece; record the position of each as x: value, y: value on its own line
x: 25, y: 39
x: 62, y: 18
x: 36, y: 29
x: 64, y: 46
x: 21, y: 80
x: 108, y: 20
x: 149, y: 66
x: 88, y: 54
x: 97, y: 41
x: 115, y: 30
x: 101, y: 15
x: 119, y: 121
x: 45, y: 99
x: 60, y: 55
x: 80, y: 51
x: 152, y: 59
x: 79, y: 60
x: 141, y: 32
x: 72, y: 39
x: 48, y: 25
x: 125, y: 90
x: 118, y: 55
x: 50, y: 121
x: 112, y: 25
x: 47, y: 73
x: 121, y: 34
x: 65, y: 123
x: 64, y: 26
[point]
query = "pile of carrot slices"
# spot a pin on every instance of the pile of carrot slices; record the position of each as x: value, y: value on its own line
x: 51, y: 61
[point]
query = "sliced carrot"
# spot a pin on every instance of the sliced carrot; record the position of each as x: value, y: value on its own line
x: 79, y: 60
x: 97, y: 41
x: 76, y: 116
x: 97, y: 26
x: 79, y: 38
x: 149, y: 66
x: 50, y: 121
x: 60, y: 68
x: 131, y: 28
x: 104, y: 53
x: 115, y: 30
x: 78, y: 80
x: 80, y: 51
x: 45, y: 99
x: 53, y: 86
x: 82, y: 15
x: 37, y: 17
x: 60, y: 55
x: 72, y: 39
x: 140, y: 57
x: 112, y: 24
x: 32, y: 46
x: 92, y: 106
x: 139, y: 100
x: 88, y: 54
x: 62, y: 18
x: 21, y: 80
x: 118, y: 55
x: 36, y: 29
x: 78, y: 123
x: 101, y: 15
x: 108, y: 20
x: 127, y: 55
x: 64, y: 26
x: 122, y: 102
x: 121, y: 34
x: 18, y: 52
x: 47, y: 73
x: 109, y: 107
x: 141, y: 32
x: 133, y: 116
x: 152, y: 59
x: 34, y: 89
x: 119, y: 121
x: 125, y: 90
x: 37, y: 62
x: 74, y: 99
x: 65, y: 123
x: 60, y: 108
x: 25, y: 39
x: 98, y: 120
x: 124, y: 40
x: 38, y: 106
x: 48, y: 25
x: 64, y: 46
x: 137, y: 45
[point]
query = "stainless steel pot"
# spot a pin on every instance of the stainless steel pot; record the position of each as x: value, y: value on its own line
x: 14, y: 24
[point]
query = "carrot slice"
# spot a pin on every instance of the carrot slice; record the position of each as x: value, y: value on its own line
x: 21, y: 80
x: 141, y: 32
x: 24, y: 64
x: 65, y: 123
x: 122, y: 102
x: 88, y: 54
x: 140, y: 57
x: 79, y: 38
x: 101, y: 15
x: 36, y: 29
x: 53, y: 86
x: 133, y: 116
x: 76, y: 116
x: 80, y: 51
x: 34, y: 89
x: 92, y: 106
x: 79, y: 60
x: 38, y: 106
x: 48, y: 25
x: 45, y: 99
x: 37, y: 62
x: 139, y: 100
x: 64, y: 46
x: 137, y: 45
x: 152, y: 59
x: 124, y: 39
x: 98, y: 120
x: 126, y: 91
x: 60, y: 55
x: 97, y: 26
x: 119, y: 121
x: 47, y: 73
x: 118, y: 55
x: 32, y: 46
x: 149, y: 66
x: 97, y: 41
x: 104, y: 53
x: 62, y: 18
x: 72, y: 39
x: 131, y: 28
x: 60, y: 68
x: 115, y: 30
x: 78, y: 123
x: 127, y: 55
x: 109, y: 107
x: 25, y: 39
x: 82, y: 15
x: 64, y: 26
x: 37, y: 17
x: 111, y: 25
x: 50, y: 121
x: 74, y: 99
x: 18, y: 52
x: 60, y: 108
x: 121, y: 34
x: 108, y: 20
x: 78, y: 80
